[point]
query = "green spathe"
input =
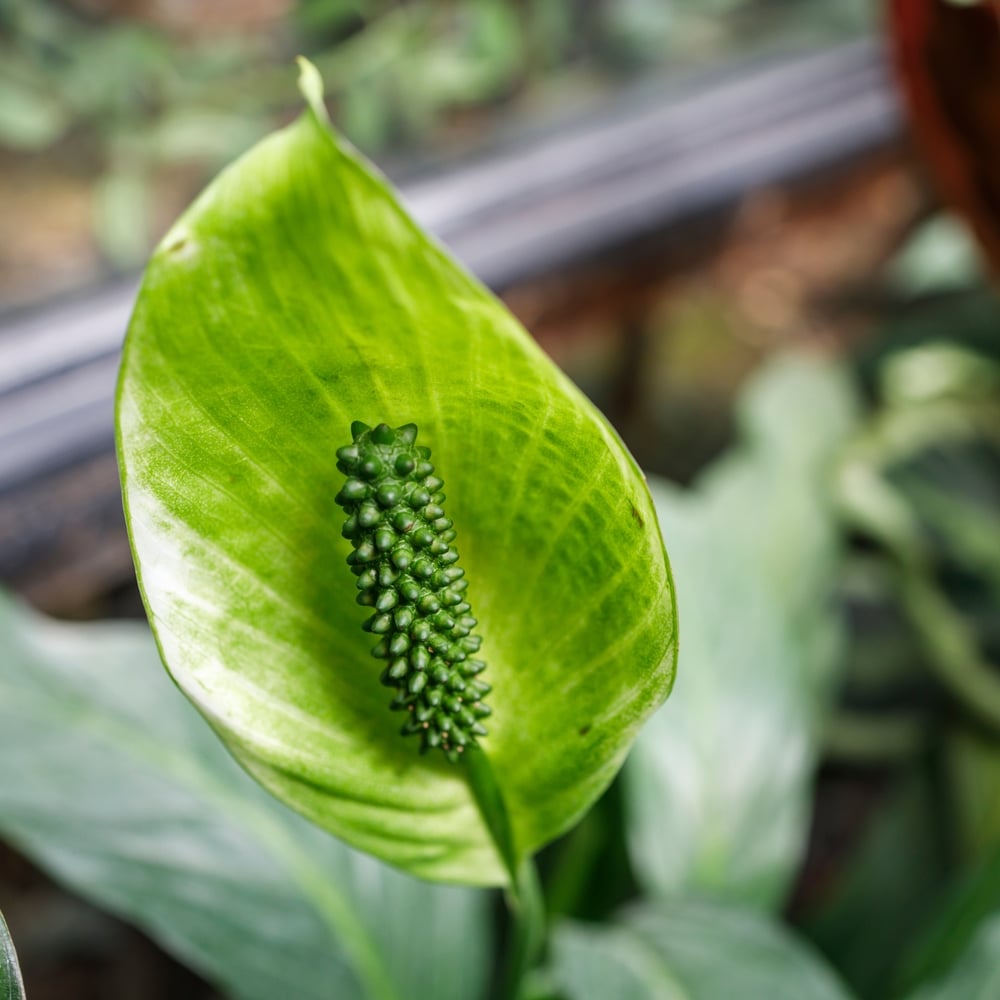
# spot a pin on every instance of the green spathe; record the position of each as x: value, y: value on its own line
x: 293, y: 298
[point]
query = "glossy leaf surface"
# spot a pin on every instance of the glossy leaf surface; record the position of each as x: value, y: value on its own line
x: 689, y: 951
x: 293, y: 298
x: 719, y: 783
x: 11, y: 987
x: 117, y: 788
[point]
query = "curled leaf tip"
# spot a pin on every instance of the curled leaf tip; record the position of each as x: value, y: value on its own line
x: 311, y: 87
x: 406, y: 569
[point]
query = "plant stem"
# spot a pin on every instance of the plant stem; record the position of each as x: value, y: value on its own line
x: 523, y: 896
x: 527, y: 933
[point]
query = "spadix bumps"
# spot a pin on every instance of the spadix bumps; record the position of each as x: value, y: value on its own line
x: 406, y: 569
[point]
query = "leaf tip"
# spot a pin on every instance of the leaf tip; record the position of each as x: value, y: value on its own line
x: 311, y: 88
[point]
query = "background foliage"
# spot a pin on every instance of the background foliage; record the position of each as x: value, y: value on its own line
x: 145, y: 100
x: 817, y: 803
x: 727, y: 768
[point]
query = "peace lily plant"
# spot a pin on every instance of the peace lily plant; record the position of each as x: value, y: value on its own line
x: 415, y: 583
x: 300, y: 342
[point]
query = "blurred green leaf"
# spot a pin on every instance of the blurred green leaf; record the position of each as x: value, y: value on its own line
x: 638, y: 30
x: 121, y: 214
x: 719, y: 782
x: 969, y: 531
x: 976, y: 975
x: 953, y: 925
x: 115, y: 786
x: 951, y: 645
x: 941, y: 254
x: 969, y: 319
x: 922, y: 481
x: 878, y: 897
x: 293, y: 298
x: 11, y: 987
x: 935, y: 371
x: 689, y: 951
x: 478, y: 62
x: 972, y: 757
x: 886, y: 694
x: 29, y: 120
x: 198, y: 134
x: 318, y: 16
x: 364, y: 116
x: 552, y: 29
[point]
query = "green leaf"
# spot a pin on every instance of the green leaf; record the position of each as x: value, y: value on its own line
x: 29, y: 120
x: 940, y: 255
x: 11, y: 987
x: 885, y: 890
x: 121, y: 214
x: 689, y: 951
x: 972, y: 757
x: 976, y: 975
x: 114, y: 785
x: 920, y: 481
x: 293, y: 298
x: 719, y: 783
x: 973, y: 899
